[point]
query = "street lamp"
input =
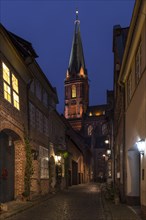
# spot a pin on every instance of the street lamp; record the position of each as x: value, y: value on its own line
x: 108, y: 152
x: 106, y: 141
x: 141, y: 146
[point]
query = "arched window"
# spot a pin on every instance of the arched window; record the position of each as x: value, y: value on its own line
x: 74, y: 91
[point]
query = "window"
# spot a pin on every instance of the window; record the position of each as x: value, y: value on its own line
x: 138, y: 64
x: 32, y: 86
x: 10, y: 86
x: 104, y: 129
x: 90, y: 128
x: 45, y: 126
x: 39, y: 120
x: 7, y: 92
x: 40, y: 127
x: 73, y: 91
x: 32, y: 114
x: 129, y: 88
x: 15, y: 91
x: 38, y: 90
x: 90, y: 113
x: 44, y: 165
x: 45, y: 98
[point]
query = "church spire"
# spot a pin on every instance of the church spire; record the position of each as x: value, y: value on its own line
x: 76, y: 62
x: 76, y: 82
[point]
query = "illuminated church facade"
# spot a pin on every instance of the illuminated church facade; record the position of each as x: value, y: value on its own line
x: 76, y: 82
x: 90, y: 122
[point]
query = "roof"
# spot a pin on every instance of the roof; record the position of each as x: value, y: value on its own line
x: 77, y: 56
x: 24, y: 47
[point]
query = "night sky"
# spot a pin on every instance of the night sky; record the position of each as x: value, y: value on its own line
x: 49, y: 26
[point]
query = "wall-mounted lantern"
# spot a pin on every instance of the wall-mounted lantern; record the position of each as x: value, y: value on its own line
x: 108, y: 152
x: 10, y: 141
x: 141, y: 146
x: 57, y: 159
x: 106, y: 141
x: 34, y: 154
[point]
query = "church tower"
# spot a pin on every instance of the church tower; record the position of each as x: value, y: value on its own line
x: 76, y: 82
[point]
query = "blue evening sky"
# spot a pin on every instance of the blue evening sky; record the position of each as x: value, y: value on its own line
x: 49, y: 26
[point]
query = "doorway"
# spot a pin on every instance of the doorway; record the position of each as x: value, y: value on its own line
x: 7, y: 167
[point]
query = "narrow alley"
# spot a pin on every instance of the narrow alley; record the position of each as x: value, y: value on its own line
x: 77, y: 203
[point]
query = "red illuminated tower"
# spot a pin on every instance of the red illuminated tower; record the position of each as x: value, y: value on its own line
x: 76, y: 82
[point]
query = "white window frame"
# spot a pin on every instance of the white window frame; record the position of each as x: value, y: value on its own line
x: 44, y: 162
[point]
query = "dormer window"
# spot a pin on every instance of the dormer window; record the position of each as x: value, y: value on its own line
x: 74, y: 91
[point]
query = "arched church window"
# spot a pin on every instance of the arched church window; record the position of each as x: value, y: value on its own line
x: 74, y: 91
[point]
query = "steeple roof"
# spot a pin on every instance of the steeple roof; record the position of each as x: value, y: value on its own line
x: 76, y: 61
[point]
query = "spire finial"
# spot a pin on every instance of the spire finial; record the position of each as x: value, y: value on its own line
x: 77, y: 17
x: 77, y: 13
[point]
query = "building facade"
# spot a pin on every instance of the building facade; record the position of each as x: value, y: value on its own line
x: 119, y: 41
x: 133, y: 77
x: 33, y: 135
x: 14, y: 79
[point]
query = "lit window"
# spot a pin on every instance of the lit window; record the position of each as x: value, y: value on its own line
x: 6, y: 73
x: 138, y: 64
x: 16, y: 100
x: 98, y: 113
x: 14, y: 83
x: 73, y: 91
x: 90, y: 114
x: 7, y: 92
x: 10, y: 86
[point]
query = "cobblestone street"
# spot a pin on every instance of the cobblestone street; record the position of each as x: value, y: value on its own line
x: 77, y: 203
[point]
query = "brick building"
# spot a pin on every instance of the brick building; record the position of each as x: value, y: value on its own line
x: 14, y: 79
x: 28, y: 116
